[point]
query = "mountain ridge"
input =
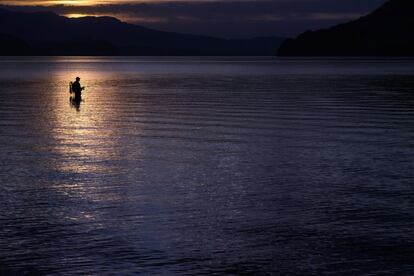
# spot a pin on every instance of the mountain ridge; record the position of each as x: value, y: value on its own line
x: 387, y: 31
x: 47, y: 33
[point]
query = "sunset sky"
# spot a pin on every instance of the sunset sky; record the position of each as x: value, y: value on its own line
x: 225, y: 18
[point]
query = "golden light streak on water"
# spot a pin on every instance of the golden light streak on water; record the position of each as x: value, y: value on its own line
x: 84, y: 137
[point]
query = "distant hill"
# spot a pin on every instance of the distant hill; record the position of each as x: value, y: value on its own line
x: 11, y: 46
x: 46, y: 33
x: 388, y: 31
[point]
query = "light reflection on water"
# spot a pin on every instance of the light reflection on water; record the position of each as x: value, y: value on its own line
x: 211, y: 165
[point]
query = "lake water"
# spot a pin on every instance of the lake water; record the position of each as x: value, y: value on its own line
x: 207, y: 165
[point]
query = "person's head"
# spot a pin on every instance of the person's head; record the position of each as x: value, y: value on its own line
x: 77, y: 79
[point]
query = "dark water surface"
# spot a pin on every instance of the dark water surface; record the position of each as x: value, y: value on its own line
x: 207, y: 165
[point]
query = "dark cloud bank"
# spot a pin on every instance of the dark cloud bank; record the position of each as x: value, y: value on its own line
x: 229, y: 18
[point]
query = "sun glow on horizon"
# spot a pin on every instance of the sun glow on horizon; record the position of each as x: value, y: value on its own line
x: 79, y: 15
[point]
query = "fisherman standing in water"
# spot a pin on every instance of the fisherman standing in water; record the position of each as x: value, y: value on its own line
x: 77, y: 89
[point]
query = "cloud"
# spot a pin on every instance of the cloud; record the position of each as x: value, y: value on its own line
x: 243, y: 18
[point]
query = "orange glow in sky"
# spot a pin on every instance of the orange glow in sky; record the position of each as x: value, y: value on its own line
x: 78, y: 15
x: 74, y: 2
x: 63, y: 2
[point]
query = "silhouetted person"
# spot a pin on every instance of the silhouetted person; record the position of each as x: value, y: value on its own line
x: 77, y: 89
